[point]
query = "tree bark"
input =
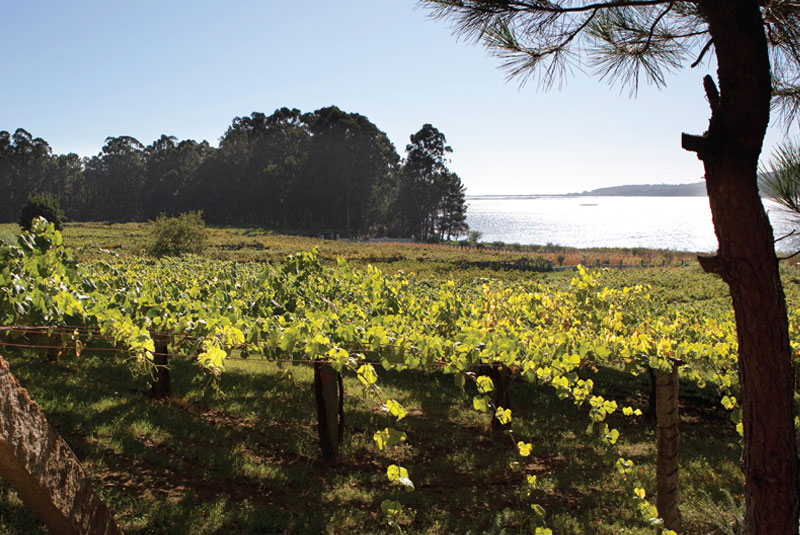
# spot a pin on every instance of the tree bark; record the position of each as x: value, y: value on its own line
x: 667, y: 442
x: 746, y: 261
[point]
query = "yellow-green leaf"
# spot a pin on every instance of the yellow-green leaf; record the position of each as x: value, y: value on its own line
x: 367, y: 375
x: 388, y: 437
x: 729, y: 402
x: 391, y: 507
x: 503, y: 415
x: 399, y: 475
x: 623, y: 466
x: 395, y: 409
x: 481, y: 403
x: 485, y: 384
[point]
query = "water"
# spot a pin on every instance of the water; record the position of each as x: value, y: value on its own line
x: 678, y: 223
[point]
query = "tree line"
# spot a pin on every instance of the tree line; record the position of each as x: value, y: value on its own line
x: 327, y: 170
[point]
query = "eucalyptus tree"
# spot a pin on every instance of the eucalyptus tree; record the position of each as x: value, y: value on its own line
x: 66, y: 181
x: 289, y: 142
x: 189, y: 155
x: 170, y: 175
x: 421, y: 182
x: 756, y: 44
x: 25, y: 164
x: 116, y: 178
x: 451, y: 216
x: 350, y: 164
x: 160, y: 176
x: 253, y: 177
x: 6, y: 213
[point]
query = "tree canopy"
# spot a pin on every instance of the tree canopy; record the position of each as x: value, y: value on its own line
x: 322, y: 171
x: 430, y: 202
x: 780, y: 178
x: 621, y: 41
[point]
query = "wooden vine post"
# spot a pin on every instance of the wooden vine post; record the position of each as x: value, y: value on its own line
x: 501, y: 378
x: 667, y: 440
x: 44, y: 471
x: 329, y: 392
x: 48, y: 346
x: 651, y: 400
x: 161, y: 385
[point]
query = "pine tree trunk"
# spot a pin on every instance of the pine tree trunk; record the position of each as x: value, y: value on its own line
x: 330, y: 421
x: 667, y: 440
x: 746, y: 261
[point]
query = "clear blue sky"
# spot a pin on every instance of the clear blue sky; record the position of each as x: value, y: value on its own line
x: 76, y: 72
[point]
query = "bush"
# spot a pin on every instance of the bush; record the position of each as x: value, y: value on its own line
x: 475, y: 236
x: 175, y: 236
x: 45, y: 205
x: 7, y: 237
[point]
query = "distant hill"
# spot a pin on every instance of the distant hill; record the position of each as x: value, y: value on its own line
x: 696, y: 189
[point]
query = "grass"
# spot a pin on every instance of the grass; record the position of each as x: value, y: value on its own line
x: 247, y: 460
x: 258, y: 245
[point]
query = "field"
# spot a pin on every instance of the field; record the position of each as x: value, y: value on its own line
x: 245, y: 458
x: 258, y: 245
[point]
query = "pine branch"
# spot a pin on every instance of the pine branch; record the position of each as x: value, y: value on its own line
x: 702, y: 53
x: 655, y: 23
x: 551, y: 7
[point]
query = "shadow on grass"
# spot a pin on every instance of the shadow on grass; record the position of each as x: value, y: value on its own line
x: 246, y: 460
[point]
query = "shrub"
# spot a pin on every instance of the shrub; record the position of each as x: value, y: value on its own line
x: 475, y: 236
x: 45, y: 205
x: 7, y: 237
x: 175, y: 236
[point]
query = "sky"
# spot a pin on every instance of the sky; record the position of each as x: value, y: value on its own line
x: 76, y: 72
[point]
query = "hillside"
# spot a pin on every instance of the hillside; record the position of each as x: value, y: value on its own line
x: 695, y: 189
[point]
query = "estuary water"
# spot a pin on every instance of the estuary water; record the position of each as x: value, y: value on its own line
x: 677, y: 223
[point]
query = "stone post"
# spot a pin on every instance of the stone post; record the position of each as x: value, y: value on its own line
x: 44, y: 471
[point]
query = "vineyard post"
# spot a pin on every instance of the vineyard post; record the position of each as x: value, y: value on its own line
x: 328, y: 389
x: 501, y: 377
x: 47, y: 346
x: 667, y: 441
x: 651, y: 400
x: 42, y: 468
x: 161, y: 384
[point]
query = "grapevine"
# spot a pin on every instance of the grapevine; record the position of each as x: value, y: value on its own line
x: 360, y: 320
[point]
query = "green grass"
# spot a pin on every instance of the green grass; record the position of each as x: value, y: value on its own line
x: 259, y: 245
x: 247, y: 460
